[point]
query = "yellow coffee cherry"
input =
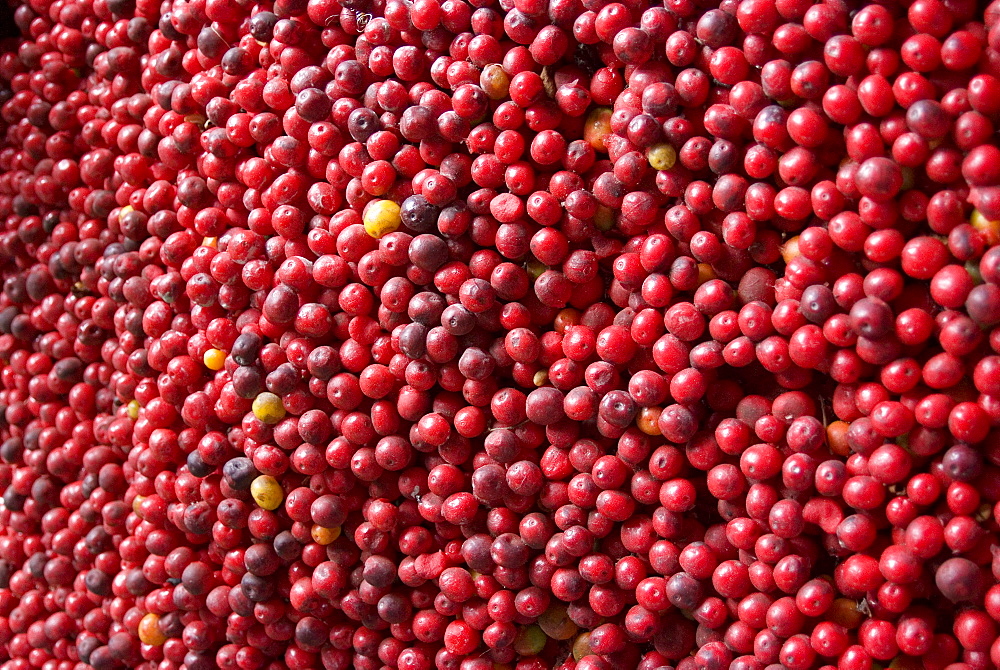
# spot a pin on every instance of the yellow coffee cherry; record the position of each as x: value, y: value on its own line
x: 322, y: 535
x: 990, y: 230
x: 661, y: 156
x: 977, y: 220
x: 381, y: 218
x: 137, y: 505
x: 268, y: 408
x: 210, y: 242
x: 540, y: 378
x: 267, y: 492
x: 132, y: 409
x: 648, y: 420
x: 149, y: 630
x: 215, y: 359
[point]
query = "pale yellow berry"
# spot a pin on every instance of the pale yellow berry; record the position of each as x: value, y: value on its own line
x: 132, y: 409
x: 323, y: 535
x: 149, y: 630
x: 381, y: 218
x: 215, y: 359
x: 267, y: 492
x: 137, y: 505
x: 268, y: 408
x: 661, y: 156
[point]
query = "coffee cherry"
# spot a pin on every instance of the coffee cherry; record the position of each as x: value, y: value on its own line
x: 266, y: 492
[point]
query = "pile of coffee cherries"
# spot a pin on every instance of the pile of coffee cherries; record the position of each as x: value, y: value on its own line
x: 499, y: 335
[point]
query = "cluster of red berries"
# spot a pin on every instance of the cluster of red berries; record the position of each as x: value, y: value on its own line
x: 516, y: 335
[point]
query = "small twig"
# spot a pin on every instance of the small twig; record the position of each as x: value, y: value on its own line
x: 361, y: 19
x: 548, y: 82
x: 216, y: 31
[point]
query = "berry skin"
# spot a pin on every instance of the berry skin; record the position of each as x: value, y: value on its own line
x: 268, y: 408
x: 266, y: 492
x: 214, y: 359
x: 150, y: 632
x: 381, y: 218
